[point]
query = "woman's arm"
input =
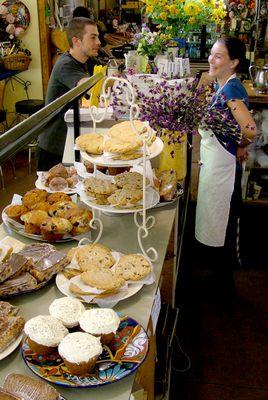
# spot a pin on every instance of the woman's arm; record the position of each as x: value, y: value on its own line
x: 244, y: 119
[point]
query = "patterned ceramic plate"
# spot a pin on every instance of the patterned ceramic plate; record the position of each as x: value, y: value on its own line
x: 124, y: 355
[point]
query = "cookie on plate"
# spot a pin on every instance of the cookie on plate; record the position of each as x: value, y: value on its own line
x: 121, y: 146
x: 99, y: 186
x: 125, y: 197
x: 92, y: 143
x: 132, y: 179
x: 103, y: 279
x: 94, y: 255
x: 132, y: 155
x: 133, y: 267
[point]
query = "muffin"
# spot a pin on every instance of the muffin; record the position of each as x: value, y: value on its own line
x: 57, y: 184
x: 100, y: 322
x: 80, y: 352
x: 59, y: 170
x: 57, y: 197
x: 42, y: 205
x: 55, y: 228
x: 80, y: 219
x: 15, y: 211
x: 60, y: 208
x: 44, y: 333
x: 72, y: 181
x: 32, y: 221
x: 34, y: 196
x: 68, y: 310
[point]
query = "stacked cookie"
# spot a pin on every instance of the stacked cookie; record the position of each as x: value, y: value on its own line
x: 124, y: 190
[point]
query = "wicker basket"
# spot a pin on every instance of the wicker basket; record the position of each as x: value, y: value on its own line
x: 16, y: 62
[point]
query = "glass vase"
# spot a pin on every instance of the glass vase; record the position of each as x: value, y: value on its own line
x: 174, y: 155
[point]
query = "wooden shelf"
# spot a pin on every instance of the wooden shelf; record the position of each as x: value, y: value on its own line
x: 258, y: 202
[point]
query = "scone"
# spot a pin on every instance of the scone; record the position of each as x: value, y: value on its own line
x: 130, y: 179
x: 55, y: 228
x: 94, y: 255
x: 92, y: 143
x: 44, y: 333
x: 100, y: 322
x: 80, y: 219
x: 103, y: 279
x: 32, y: 221
x: 118, y: 145
x: 34, y: 196
x: 131, y: 155
x: 68, y: 310
x: 61, y: 208
x: 133, y: 267
x: 58, y: 197
x: 99, y: 186
x: 125, y: 197
x: 15, y: 211
x: 80, y: 352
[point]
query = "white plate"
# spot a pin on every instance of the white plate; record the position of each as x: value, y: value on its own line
x: 14, y: 226
x: 62, y: 285
x: 39, y: 184
x: 152, y: 198
x: 8, y: 350
x: 154, y: 150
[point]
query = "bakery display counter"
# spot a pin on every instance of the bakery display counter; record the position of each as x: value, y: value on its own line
x: 118, y: 235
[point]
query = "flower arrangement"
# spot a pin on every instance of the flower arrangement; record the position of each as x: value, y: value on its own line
x: 10, y: 28
x: 178, y: 17
x: 242, y: 11
x: 150, y: 43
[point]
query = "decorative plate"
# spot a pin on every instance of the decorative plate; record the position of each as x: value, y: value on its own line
x: 154, y: 150
x: 21, y: 13
x: 9, y: 349
x: 152, y: 198
x: 124, y: 355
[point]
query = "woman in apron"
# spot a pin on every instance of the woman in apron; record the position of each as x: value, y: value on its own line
x: 219, y: 191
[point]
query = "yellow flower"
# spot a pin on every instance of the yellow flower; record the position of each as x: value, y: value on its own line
x: 149, y: 9
x: 172, y: 9
x: 208, y: 3
x: 191, y: 8
x: 192, y: 20
x: 163, y: 15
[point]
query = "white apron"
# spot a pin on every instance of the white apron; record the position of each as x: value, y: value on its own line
x: 215, y: 189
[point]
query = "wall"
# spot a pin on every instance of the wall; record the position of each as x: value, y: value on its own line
x: 34, y: 74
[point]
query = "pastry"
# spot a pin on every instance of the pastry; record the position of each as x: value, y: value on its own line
x: 133, y: 267
x: 68, y: 310
x: 102, y: 279
x: 100, y: 322
x: 10, y: 329
x: 94, y: 255
x: 98, y: 198
x: 125, y: 197
x: 34, y: 196
x: 44, y: 333
x: 7, y: 310
x: 99, y: 186
x: 29, y: 388
x: 72, y: 181
x: 5, y: 271
x: 57, y: 184
x: 130, y: 179
x: 58, y: 170
x: 5, y: 251
x: 132, y: 155
x: 22, y: 283
x: 92, y: 143
x: 32, y: 221
x: 80, y: 219
x: 18, y: 264
x: 58, y: 197
x: 168, y: 184
x: 15, y: 211
x: 80, y: 352
x: 54, y: 228
x: 124, y: 130
x: 42, y: 206
x: 118, y: 145
x: 61, y: 208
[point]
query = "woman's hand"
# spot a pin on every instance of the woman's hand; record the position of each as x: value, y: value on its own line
x: 242, y: 154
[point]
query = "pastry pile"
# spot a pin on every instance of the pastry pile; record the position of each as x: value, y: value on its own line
x: 28, y: 269
x: 11, y: 325
x: 60, y: 178
x: 124, y: 190
x: 121, y: 142
x: 167, y: 184
x: 50, y: 215
x: 96, y: 271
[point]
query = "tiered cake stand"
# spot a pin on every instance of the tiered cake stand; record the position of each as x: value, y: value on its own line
x: 150, y: 197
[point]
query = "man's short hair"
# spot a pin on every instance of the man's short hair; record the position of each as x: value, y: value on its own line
x: 76, y: 28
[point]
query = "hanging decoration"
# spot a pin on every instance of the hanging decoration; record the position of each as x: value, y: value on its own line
x: 14, y: 19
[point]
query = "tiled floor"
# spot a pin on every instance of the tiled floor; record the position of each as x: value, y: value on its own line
x: 228, y: 348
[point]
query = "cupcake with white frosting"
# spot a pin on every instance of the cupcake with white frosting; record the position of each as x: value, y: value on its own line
x: 68, y: 310
x: 102, y: 322
x: 80, y: 351
x: 44, y: 333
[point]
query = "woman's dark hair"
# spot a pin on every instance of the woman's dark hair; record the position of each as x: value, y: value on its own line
x: 236, y: 50
x: 81, y: 12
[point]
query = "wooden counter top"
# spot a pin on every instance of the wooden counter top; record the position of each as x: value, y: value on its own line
x: 253, y: 96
